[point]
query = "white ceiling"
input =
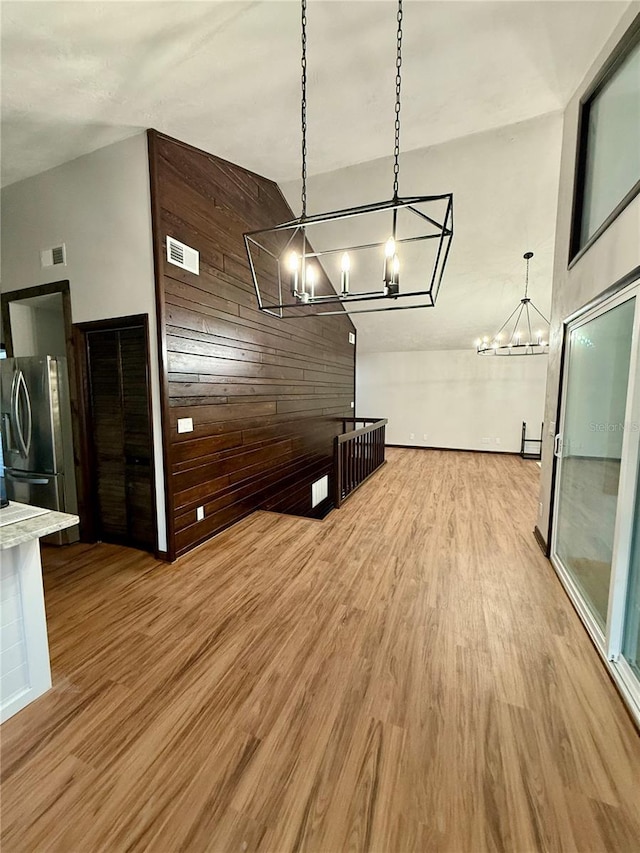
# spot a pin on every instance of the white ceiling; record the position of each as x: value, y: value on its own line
x: 483, y: 82
x: 504, y: 185
x: 225, y: 76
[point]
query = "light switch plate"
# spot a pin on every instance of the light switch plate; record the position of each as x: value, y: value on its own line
x: 200, y: 513
x: 185, y: 424
x: 352, y: 404
x: 352, y: 338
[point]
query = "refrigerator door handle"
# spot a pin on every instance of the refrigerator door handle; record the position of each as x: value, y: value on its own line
x: 27, y: 402
x: 15, y: 415
x: 21, y: 385
x: 26, y: 478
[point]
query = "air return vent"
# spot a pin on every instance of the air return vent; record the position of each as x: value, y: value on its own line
x: 319, y: 491
x: 183, y: 256
x: 53, y: 257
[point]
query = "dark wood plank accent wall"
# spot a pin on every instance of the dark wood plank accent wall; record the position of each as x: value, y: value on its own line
x: 266, y: 395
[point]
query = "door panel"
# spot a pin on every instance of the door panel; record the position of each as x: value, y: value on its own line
x: 595, y: 404
x: 596, y: 522
x: 122, y: 455
x: 44, y: 490
x: 631, y: 641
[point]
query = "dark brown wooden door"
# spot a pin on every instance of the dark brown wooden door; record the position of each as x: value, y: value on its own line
x: 120, y: 435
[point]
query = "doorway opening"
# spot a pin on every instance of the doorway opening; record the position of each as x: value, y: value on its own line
x: 39, y: 402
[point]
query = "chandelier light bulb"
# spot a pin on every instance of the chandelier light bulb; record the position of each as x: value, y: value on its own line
x: 389, y: 253
x: 310, y: 279
x: 293, y: 262
x: 344, y: 277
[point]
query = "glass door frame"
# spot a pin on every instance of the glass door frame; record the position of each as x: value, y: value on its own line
x: 608, y: 642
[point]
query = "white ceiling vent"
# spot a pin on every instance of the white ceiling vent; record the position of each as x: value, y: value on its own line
x: 54, y: 256
x: 319, y: 491
x: 183, y: 256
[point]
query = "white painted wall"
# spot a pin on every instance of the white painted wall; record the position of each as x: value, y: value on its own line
x: 455, y: 397
x: 36, y: 330
x: 23, y: 329
x: 615, y: 253
x: 99, y: 206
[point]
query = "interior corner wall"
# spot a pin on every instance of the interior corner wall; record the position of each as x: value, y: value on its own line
x: 265, y: 396
x: 99, y: 206
x: 612, y: 256
x: 452, y: 398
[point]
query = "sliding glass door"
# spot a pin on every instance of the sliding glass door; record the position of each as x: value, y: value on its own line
x: 596, y: 530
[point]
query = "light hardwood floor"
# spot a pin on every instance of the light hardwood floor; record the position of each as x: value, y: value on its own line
x: 406, y: 675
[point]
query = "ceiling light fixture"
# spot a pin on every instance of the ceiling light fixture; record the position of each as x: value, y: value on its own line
x: 395, y: 255
x: 524, y: 338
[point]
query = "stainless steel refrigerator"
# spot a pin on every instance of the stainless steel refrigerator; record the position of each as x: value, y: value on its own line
x: 37, y: 437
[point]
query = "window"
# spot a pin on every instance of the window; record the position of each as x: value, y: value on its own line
x: 608, y: 174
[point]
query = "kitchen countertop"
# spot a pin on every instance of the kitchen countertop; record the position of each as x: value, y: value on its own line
x: 33, y: 528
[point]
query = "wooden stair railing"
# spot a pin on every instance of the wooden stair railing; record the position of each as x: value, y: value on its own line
x: 358, y: 453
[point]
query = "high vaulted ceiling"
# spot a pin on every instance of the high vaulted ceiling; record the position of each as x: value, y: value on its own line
x: 484, y: 84
x: 225, y: 76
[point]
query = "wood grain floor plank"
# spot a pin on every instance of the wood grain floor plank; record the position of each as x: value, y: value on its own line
x: 406, y: 675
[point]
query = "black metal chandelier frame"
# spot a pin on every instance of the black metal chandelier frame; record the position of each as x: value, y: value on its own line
x: 298, y: 227
x: 291, y: 294
x: 515, y: 344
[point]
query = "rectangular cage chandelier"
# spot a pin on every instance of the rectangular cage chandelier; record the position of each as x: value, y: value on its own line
x: 303, y: 267
x: 384, y: 256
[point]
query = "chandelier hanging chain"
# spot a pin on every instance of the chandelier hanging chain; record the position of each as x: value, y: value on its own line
x: 306, y: 267
x: 526, y: 278
x: 396, y: 149
x: 303, y: 110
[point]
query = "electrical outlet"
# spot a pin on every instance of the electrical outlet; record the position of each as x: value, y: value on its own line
x: 352, y: 338
x: 412, y: 436
x: 185, y: 424
x: 200, y: 513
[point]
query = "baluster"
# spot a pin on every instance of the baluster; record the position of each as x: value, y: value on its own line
x: 347, y: 466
